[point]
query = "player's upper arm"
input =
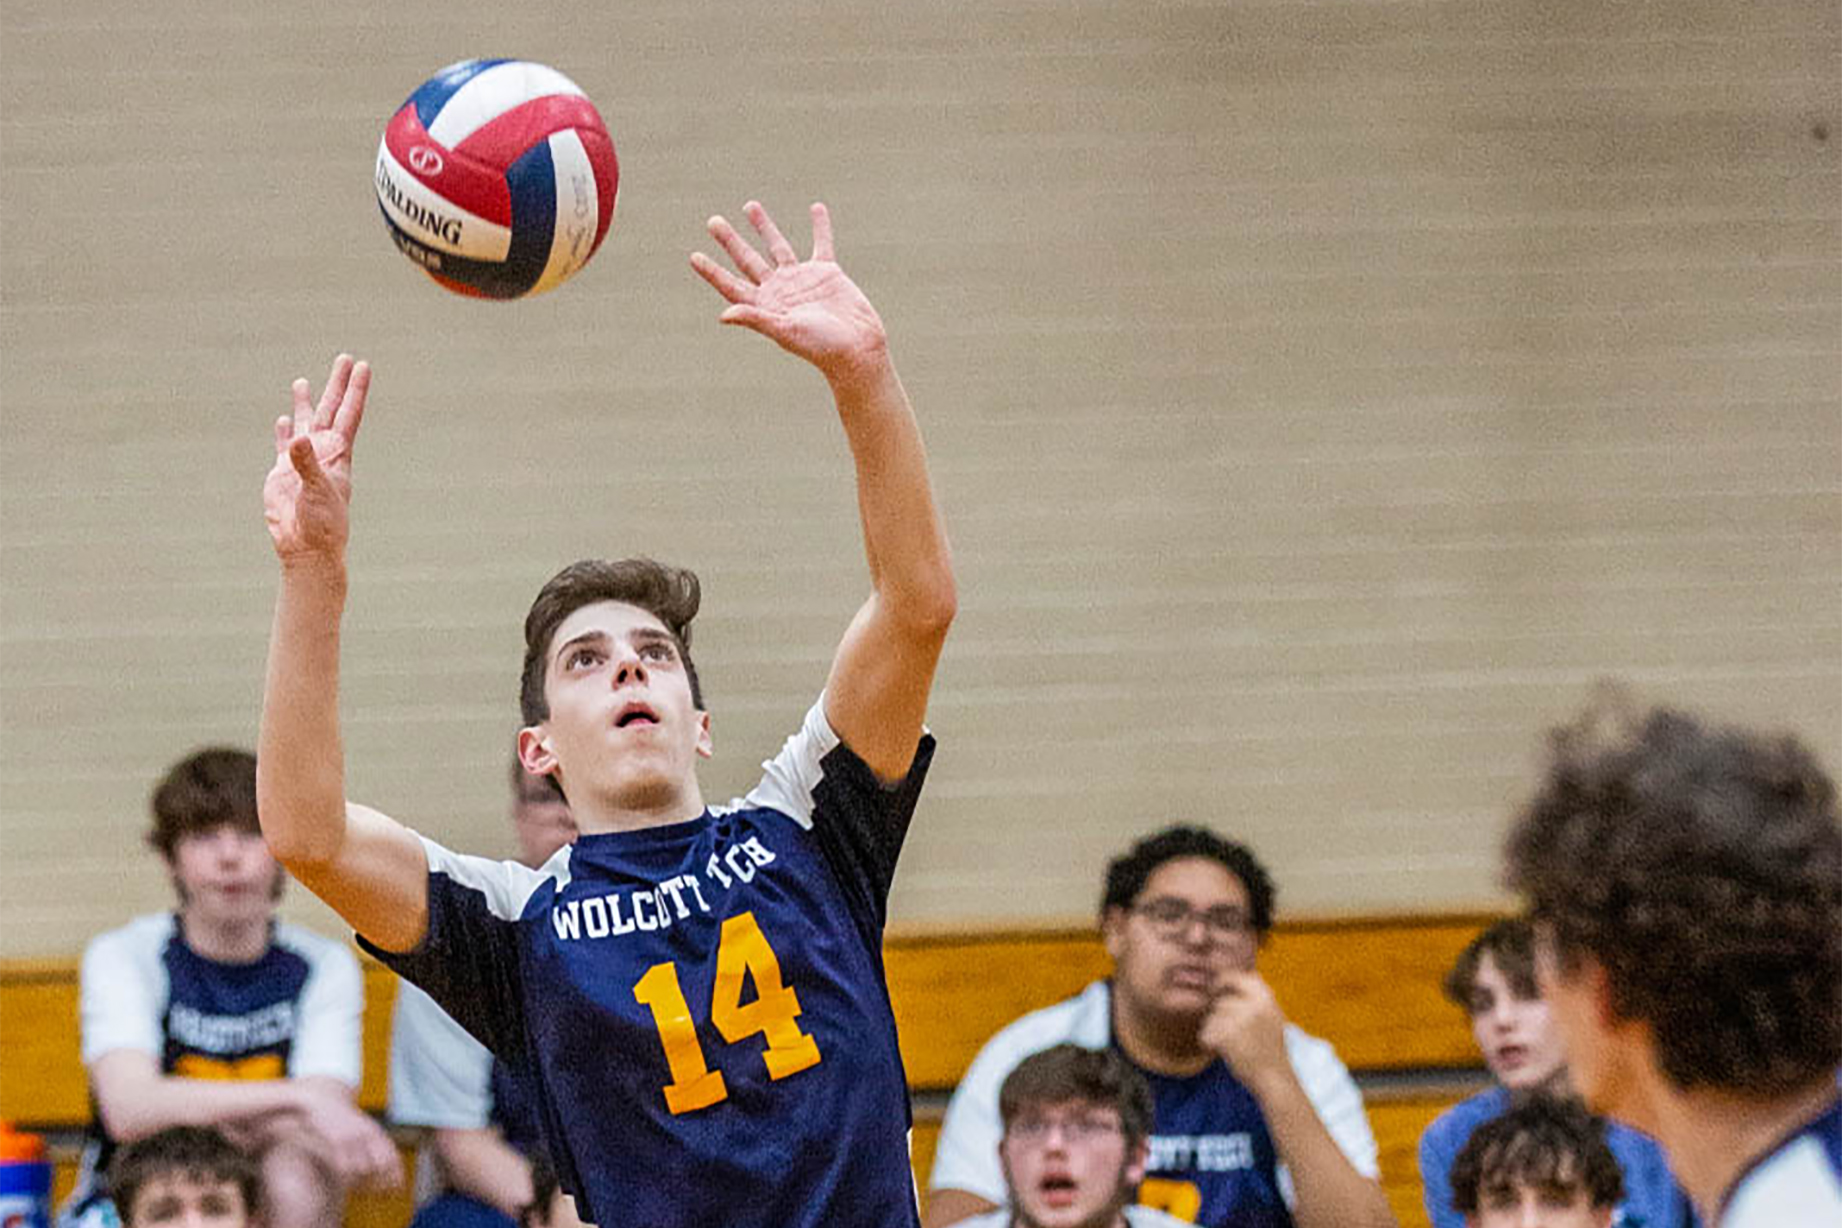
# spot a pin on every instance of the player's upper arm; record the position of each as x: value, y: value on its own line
x: 377, y: 879
x: 122, y: 992
x: 876, y: 695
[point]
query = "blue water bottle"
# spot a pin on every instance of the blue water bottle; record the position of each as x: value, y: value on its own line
x: 25, y: 1180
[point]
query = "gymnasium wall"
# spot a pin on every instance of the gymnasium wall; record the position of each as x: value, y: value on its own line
x: 1321, y: 396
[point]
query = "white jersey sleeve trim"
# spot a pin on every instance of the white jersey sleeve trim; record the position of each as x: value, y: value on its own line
x: 966, y: 1155
x: 507, y: 885
x: 439, y: 1075
x: 788, y: 779
x: 122, y: 988
x: 329, y: 1020
x: 1798, y: 1185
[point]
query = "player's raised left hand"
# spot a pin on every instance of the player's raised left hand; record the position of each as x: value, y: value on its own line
x: 305, y: 497
x: 808, y: 307
x: 1247, y: 1028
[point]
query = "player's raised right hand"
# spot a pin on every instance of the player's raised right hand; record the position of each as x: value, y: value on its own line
x: 306, y: 494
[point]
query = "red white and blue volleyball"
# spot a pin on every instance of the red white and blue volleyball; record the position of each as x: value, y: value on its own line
x: 498, y: 177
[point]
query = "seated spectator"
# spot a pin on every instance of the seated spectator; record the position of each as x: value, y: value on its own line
x: 185, y: 1177
x: 478, y: 1166
x: 1076, y: 1136
x: 1493, y: 981
x: 217, y: 1014
x: 1542, y: 1164
x: 1254, y: 1122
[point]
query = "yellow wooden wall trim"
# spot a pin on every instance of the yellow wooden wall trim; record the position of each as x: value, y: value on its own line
x: 1370, y: 986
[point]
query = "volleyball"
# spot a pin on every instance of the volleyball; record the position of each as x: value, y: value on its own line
x: 498, y: 178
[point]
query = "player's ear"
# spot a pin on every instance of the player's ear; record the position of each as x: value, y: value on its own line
x: 1113, y: 929
x: 534, y: 750
x: 1137, y: 1162
x: 705, y: 746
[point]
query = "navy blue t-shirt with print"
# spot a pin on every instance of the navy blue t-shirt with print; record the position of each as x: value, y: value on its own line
x: 701, y: 1005
x: 1212, y: 1158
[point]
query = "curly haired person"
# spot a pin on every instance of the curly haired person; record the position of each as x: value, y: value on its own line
x: 1685, y: 884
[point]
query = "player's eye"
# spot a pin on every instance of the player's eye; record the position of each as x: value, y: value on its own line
x: 579, y: 657
x: 656, y: 650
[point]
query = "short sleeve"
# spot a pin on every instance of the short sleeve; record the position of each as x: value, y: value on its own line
x: 468, y: 961
x: 858, y: 821
x: 1437, y: 1151
x: 439, y: 1075
x: 328, y: 1033
x: 122, y: 990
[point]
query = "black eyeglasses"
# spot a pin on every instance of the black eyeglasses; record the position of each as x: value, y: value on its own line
x: 1172, y: 918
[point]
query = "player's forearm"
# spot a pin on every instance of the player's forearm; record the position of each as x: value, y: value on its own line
x: 479, y: 1163
x: 300, y: 767
x: 137, y: 1108
x: 904, y: 537
x: 1330, y: 1192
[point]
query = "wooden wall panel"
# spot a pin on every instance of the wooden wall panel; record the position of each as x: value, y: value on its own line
x: 1321, y: 395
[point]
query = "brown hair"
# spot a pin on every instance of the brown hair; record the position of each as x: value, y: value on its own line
x: 1541, y: 1141
x: 199, y: 1152
x: 1070, y: 1072
x: 670, y: 594
x: 1510, y: 943
x: 207, y: 789
x: 1701, y: 867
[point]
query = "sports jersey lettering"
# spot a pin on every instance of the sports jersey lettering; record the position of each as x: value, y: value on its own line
x: 234, y: 1070
x: 645, y: 910
x: 1205, y: 1153
x: 1177, y: 1199
x: 191, y: 1028
x: 742, y: 955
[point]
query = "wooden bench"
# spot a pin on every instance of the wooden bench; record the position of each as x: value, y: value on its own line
x: 1369, y: 986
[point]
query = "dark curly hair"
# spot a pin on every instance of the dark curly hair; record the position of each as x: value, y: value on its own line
x: 1093, y: 1076
x: 1701, y: 867
x: 1127, y: 875
x: 1542, y: 1141
x: 671, y: 594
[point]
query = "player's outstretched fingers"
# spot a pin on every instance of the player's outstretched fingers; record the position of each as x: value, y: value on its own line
x: 334, y: 393
x: 821, y: 232
x: 722, y: 280
x: 752, y: 263
x: 300, y: 420
x: 351, y: 410
x: 778, y: 247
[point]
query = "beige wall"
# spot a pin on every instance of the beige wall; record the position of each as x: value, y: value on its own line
x: 1321, y: 395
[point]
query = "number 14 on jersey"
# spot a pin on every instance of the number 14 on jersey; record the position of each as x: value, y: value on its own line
x: 742, y: 953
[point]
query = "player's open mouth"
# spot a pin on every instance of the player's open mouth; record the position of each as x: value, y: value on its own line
x: 1057, y: 1190
x: 1512, y: 1055
x: 636, y: 714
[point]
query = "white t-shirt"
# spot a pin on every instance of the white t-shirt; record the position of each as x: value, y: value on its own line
x: 296, y: 1012
x: 966, y: 1157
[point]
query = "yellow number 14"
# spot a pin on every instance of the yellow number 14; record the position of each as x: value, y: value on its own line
x: 742, y: 953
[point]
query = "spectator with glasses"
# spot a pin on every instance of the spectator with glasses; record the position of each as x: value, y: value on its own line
x: 1076, y: 1136
x: 1255, y: 1124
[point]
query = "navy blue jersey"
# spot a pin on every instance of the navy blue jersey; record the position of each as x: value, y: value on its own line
x: 1212, y: 1159
x: 701, y: 1004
